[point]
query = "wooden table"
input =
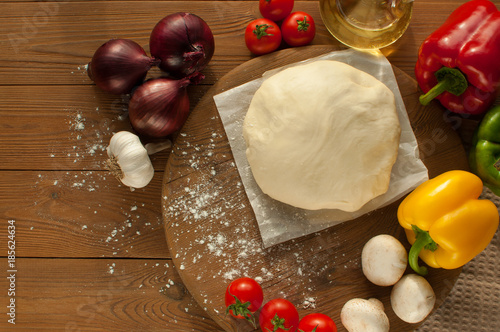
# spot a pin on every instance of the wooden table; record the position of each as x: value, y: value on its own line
x: 91, y: 255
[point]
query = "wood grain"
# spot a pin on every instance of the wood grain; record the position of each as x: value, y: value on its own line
x: 97, y: 294
x: 51, y: 42
x: 212, y: 232
x: 82, y: 214
x: 64, y: 127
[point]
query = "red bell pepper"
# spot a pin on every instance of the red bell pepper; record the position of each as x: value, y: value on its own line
x: 459, y: 63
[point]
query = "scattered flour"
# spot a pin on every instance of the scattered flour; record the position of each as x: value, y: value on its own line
x: 214, y: 242
x: 309, y: 302
x: 88, y: 137
x: 111, y: 268
x: 91, y: 135
x: 210, y: 218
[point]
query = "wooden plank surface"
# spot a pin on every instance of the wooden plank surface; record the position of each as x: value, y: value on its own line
x: 82, y: 214
x: 65, y: 127
x: 73, y: 220
x: 101, y: 295
x: 54, y: 51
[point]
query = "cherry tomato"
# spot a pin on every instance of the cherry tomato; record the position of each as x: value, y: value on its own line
x: 317, y: 323
x: 262, y: 36
x: 243, y: 297
x: 275, y: 10
x: 279, y: 315
x: 298, y: 29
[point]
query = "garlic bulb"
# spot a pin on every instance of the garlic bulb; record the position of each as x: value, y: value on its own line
x: 129, y: 159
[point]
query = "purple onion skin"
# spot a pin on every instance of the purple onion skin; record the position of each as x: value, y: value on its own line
x: 119, y: 65
x: 159, y: 107
x: 183, y: 42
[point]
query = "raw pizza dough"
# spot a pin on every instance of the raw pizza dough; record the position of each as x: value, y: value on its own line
x: 323, y: 135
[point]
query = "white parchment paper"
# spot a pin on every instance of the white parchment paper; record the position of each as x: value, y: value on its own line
x: 279, y: 222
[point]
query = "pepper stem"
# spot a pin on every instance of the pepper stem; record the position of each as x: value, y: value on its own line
x: 449, y: 79
x: 423, y: 241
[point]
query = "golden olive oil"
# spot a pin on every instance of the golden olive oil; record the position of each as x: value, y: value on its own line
x: 366, y: 24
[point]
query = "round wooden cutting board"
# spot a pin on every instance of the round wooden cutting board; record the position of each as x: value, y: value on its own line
x: 213, y: 236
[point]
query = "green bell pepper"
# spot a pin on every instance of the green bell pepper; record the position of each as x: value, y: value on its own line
x: 484, y: 155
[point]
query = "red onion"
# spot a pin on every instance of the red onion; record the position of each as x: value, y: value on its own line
x: 183, y: 42
x: 119, y: 65
x: 159, y: 107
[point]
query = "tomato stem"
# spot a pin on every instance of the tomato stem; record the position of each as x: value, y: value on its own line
x: 302, y: 25
x: 313, y: 330
x: 241, y: 309
x: 261, y: 30
x: 278, y: 323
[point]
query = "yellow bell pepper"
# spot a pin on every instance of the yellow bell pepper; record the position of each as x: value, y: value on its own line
x: 445, y: 221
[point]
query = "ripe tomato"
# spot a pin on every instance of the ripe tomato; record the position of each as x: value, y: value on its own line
x: 317, y: 323
x: 298, y: 29
x: 243, y: 297
x: 262, y: 36
x: 279, y: 315
x: 275, y: 10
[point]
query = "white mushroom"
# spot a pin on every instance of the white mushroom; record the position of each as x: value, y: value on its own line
x: 384, y: 260
x: 412, y: 298
x: 360, y: 315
